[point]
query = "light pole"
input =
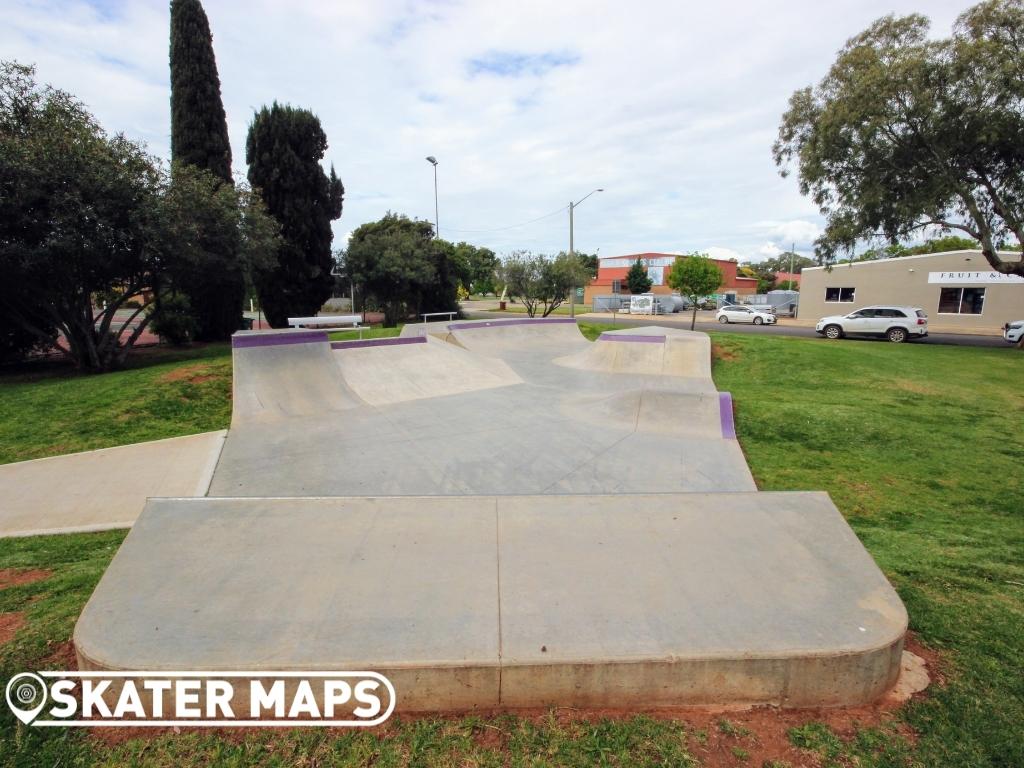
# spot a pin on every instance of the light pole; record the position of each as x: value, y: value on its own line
x: 437, y: 225
x: 572, y: 289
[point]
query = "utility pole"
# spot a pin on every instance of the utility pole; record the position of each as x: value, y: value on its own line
x: 572, y: 262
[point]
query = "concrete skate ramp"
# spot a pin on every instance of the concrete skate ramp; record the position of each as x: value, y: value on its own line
x: 647, y: 351
x: 396, y: 370
x: 466, y: 602
x: 493, y: 337
x: 285, y: 374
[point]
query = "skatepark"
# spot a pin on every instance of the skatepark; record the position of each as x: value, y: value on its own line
x: 498, y: 514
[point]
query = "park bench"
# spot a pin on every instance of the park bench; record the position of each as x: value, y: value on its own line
x: 325, y: 321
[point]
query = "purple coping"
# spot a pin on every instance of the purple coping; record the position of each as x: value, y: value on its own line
x: 725, y: 413
x: 632, y: 337
x: 389, y: 342
x: 499, y: 323
x: 277, y: 339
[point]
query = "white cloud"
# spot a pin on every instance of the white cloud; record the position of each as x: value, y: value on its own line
x: 725, y: 254
x: 654, y: 101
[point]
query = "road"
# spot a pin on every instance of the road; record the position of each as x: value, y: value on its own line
x: 784, y: 329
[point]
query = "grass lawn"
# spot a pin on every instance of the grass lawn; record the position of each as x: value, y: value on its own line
x: 377, y: 332
x: 50, y: 410
x: 920, y: 447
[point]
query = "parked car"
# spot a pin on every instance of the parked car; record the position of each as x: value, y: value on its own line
x: 897, y: 324
x: 739, y: 314
x: 1013, y: 331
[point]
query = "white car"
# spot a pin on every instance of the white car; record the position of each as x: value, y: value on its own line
x: 1012, y: 332
x: 741, y: 314
x: 897, y: 324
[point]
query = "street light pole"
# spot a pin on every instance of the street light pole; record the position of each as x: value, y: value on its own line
x: 572, y: 252
x: 437, y: 224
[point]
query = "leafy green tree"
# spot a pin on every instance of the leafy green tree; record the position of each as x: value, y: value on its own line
x: 907, y: 132
x: 782, y: 262
x: 199, y: 138
x: 284, y: 148
x: 479, y: 267
x: 93, y: 230
x: 695, y: 276
x: 637, y: 280
x: 542, y: 283
x: 788, y: 285
x: 398, y: 263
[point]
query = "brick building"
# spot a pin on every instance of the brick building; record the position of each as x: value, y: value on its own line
x: 611, y: 276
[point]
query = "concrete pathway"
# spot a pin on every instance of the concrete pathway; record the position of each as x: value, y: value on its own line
x: 107, y: 488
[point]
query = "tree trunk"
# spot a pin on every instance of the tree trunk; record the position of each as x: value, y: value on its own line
x: 693, y: 320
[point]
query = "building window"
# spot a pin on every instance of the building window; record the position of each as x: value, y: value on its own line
x: 961, y: 301
x: 840, y: 294
x: 616, y: 286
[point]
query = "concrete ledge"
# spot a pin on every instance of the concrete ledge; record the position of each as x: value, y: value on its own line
x: 388, y: 342
x: 512, y: 601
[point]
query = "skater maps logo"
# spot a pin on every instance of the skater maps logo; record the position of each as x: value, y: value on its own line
x: 270, y: 699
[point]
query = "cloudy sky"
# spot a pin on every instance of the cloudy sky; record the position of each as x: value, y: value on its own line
x: 670, y: 106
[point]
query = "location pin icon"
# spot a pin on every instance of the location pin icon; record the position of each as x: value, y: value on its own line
x: 26, y: 696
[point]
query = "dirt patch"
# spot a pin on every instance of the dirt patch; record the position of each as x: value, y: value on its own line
x: 720, y: 352
x: 190, y: 374
x: 720, y: 737
x: 14, y: 577
x: 10, y: 623
x: 61, y: 657
x: 908, y: 385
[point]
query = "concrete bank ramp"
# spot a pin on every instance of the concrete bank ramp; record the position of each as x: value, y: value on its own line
x: 493, y: 337
x: 396, y: 370
x: 501, y: 601
x: 649, y: 350
x: 284, y: 374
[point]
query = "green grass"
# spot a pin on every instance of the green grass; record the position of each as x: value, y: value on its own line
x: 164, y: 394
x: 377, y: 332
x: 918, y: 445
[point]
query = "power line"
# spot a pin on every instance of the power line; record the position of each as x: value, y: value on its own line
x: 513, y: 226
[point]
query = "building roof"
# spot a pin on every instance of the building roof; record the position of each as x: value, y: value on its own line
x: 978, y: 253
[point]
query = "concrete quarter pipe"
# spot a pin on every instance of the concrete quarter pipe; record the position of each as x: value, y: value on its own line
x: 499, y: 514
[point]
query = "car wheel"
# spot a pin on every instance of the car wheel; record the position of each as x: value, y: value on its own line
x: 758, y: 321
x: 723, y: 320
x: 896, y: 335
x: 833, y: 332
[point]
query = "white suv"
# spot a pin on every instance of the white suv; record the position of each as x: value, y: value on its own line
x: 1012, y: 332
x: 897, y: 324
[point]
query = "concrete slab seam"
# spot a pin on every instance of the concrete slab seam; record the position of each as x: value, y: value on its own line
x: 390, y: 342
x: 726, y: 415
x: 632, y: 338
x: 276, y: 340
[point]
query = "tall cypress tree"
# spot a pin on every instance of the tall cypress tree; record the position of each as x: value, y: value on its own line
x: 284, y: 149
x: 199, y: 137
x: 199, y: 127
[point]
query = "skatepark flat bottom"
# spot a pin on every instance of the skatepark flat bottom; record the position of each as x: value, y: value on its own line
x: 510, y: 601
x: 499, y: 514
